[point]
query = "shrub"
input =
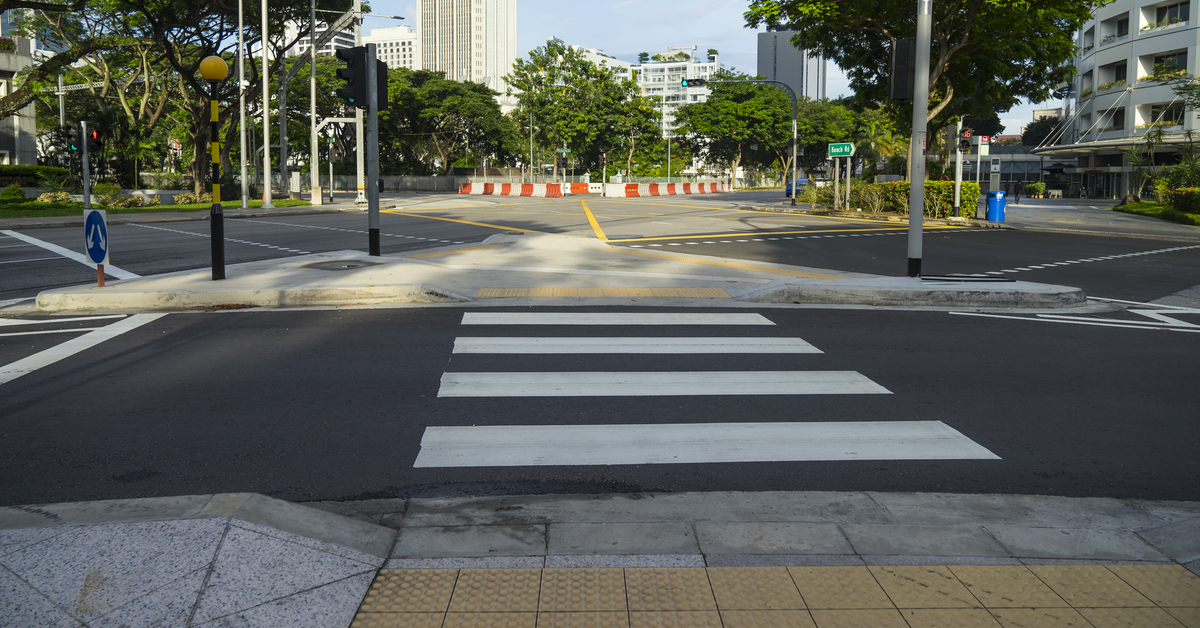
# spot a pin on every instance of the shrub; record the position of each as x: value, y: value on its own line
x: 1162, y: 193
x: 12, y: 193
x: 106, y: 194
x: 867, y: 197
x: 53, y: 181
x: 27, y: 176
x: 939, y: 196
x: 187, y: 198
x: 1186, y: 200
x: 1035, y: 189
x: 55, y: 197
x: 150, y: 201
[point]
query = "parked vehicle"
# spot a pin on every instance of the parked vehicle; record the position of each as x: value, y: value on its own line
x: 801, y: 185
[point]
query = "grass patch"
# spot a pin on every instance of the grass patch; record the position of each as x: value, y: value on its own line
x: 34, y: 209
x: 1154, y: 210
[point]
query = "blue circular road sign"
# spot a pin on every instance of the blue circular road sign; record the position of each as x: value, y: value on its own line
x: 96, y: 237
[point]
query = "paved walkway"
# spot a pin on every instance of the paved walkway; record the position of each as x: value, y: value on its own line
x: 687, y: 559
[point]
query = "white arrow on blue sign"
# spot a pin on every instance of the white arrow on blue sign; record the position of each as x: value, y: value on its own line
x: 95, y: 235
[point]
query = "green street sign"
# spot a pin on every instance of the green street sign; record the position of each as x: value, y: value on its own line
x: 564, y: 150
x: 845, y: 149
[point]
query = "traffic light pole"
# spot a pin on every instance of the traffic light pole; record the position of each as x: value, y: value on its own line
x: 958, y: 153
x: 216, y: 217
x: 916, y: 173
x: 87, y: 177
x: 358, y: 112
x: 370, y: 137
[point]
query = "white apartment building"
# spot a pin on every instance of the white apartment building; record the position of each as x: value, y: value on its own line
x: 1114, y: 103
x: 469, y: 40
x: 662, y: 78
x: 398, y: 46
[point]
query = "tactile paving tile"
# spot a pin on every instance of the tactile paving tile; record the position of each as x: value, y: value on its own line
x: 496, y: 590
x: 924, y: 587
x: 839, y: 587
x: 1189, y: 617
x: 1165, y: 585
x: 410, y: 591
x: 675, y: 619
x: 583, y: 620
x: 490, y: 620
x: 1007, y: 586
x: 397, y: 620
x: 751, y: 588
x: 669, y: 589
x: 1129, y: 618
x: 1040, y: 618
x: 1089, y: 586
x: 860, y: 618
x: 949, y: 618
x: 583, y: 590
x: 767, y: 619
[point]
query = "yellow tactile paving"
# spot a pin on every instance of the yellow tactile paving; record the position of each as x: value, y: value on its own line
x: 1040, y: 618
x: 949, y: 618
x: 839, y: 587
x: 675, y: 619
x: 1008, y: 596
x: 924, y: 587
x: 1129, y: 618
x: 1189, y: 617
x: 1165, y: 585
x: 490, y: 620
x: 1007, y: 586
x: 669, y: 589
x: 859, y: 619
x: 583, y: 620
x: 750, y: 588
x: 1085, y: 586
x: 496, y: 590
x: 583, y: 590
x: 767, y: 619
x: 410, y: 591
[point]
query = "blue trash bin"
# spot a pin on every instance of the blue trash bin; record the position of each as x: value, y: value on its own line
x: 995, y: 206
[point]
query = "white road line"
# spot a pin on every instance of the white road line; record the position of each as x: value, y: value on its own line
x: 110, y: 270
x: 657, y: 384
x: 227, y: 239
x: 632, y: 345
x: 73, y: 346
x: 16, y: 246
x: 49, y: 331
x: 1096, y: 324
x: 35, y: 259
x: 690, y: 443
x: 1160, y: 322
x: 1153, y: 305
x: 589, y: 318
x: 8, y: 322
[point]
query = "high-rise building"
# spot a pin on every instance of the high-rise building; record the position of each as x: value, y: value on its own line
x: 469, y: 40
x: 341, y: 40
x: 398, y: 46
x: 779, y: 60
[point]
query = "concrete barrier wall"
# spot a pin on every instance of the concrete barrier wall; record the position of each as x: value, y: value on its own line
x: 513, y: 189
x: 636, y: 190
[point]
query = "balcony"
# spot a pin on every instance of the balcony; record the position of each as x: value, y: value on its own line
x: 1112, y: 39
x: 1163, y: 25
x: 1111, y: 85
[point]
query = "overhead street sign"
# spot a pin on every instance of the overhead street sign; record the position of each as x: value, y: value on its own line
x: 845, y: 149
x: 95, y: 236
x: 564, y: 150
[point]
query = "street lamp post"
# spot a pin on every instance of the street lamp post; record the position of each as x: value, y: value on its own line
x: 214, y: 70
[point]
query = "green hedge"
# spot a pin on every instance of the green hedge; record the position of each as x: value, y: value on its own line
x: 1035, y: 189
x: 892, y: 196
x: 27, y: 176
x: 1186, y: 200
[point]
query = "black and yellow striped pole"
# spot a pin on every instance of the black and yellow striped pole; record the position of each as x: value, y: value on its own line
x: 214, y: 70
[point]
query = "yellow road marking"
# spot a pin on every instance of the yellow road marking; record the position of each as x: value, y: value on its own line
x: 462, y: 250
x: 762, y: 233
x: 752, y: 211
x: 595, y: 223
x: 690, y: 260
x: 465, y: 222
x: 692, y: 293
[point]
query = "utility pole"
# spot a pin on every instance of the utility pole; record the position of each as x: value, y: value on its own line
x: 358, y: 113
x: 241, y: 61
x: 83, y: 154
x: 372, y: 141
x: 314, y: 173
x: 266, y: 98
x: 958, y: 153
x: 62, y: 104
x: 916, y: 175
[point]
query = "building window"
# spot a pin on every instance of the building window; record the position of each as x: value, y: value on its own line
x: 1167, y: 115
x: 1121, y: 72
x: 1174, y: 62
x: 1174, y: 12
x: 1122, y: 27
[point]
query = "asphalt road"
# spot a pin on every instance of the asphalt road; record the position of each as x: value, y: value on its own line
x: 1061, y: 245
x: 333, y: 404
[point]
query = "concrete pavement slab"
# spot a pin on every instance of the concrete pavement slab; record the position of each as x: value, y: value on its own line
x: 23, y: 605
x: 621, y: 538
x: 910, y: 540
x: 1024, y: 510
x: 1030, y: 542
x: 1179, y: 540
x: 771, y: 538
x: 471, y: 541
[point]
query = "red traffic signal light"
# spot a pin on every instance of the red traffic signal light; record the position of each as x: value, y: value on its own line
x: 95, y: 140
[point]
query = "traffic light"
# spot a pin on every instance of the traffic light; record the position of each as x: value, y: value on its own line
x: 964, y: 141
x: 355, y: 75
x: 381, y: 85
x: 904, y: 70
x: 696, y: 82
x: 73, y: 143
x: 602, y: 160
x: 95, y: 140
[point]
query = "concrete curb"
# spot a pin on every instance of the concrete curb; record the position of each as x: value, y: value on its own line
x: 906, y: 291
x: 112, y: 298
x: 954, y: 222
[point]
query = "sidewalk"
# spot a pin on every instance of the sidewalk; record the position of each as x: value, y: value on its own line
x: 519, y: 269
x: 688, y: 559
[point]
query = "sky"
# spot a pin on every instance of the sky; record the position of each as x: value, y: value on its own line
x: 623, y: 28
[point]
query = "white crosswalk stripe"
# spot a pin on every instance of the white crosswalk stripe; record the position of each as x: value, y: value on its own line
x: 533, y: 345
x: 657, y: 384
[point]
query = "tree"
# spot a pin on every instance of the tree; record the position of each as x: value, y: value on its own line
x: 1040, y: 131
x: 712, y: 54
x: 985, y: 55
x: 821, y: 123
x: 643, y: 57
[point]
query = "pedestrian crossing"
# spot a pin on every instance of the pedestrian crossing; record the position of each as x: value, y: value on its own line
x: 665, y: 443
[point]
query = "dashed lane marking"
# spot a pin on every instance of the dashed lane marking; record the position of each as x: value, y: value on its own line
x: 360, y: 231
x: 227, y: 239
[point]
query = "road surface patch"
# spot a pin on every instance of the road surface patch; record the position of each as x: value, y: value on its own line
x: 682, y: 293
